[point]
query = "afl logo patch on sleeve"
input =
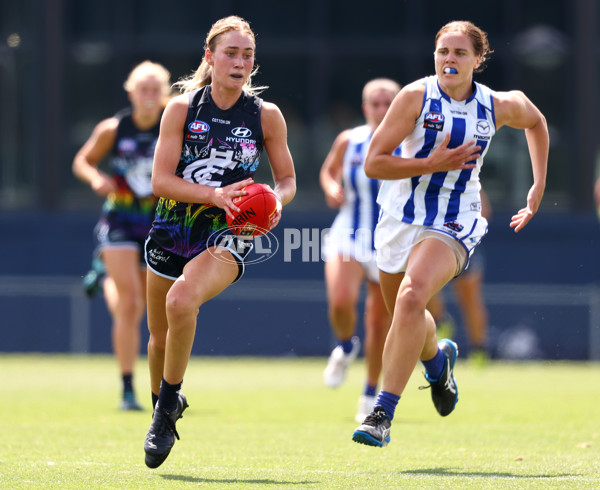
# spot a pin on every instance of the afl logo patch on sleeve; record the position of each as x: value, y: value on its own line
x: 434, y: 120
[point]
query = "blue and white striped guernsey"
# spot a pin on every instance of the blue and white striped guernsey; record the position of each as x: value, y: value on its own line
x: 360, y: 209
x: 435, y: 199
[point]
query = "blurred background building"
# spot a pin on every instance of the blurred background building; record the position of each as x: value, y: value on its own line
x: 62, y: 68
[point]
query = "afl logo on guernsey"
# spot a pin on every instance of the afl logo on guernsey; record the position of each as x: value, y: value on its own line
x: 434, y: 120
x: 198, y: 127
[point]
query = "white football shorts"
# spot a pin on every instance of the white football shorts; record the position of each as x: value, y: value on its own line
x: 352, y: 244
x: 395, y: 239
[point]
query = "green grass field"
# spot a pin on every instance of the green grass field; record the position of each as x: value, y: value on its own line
x: 270, y: 423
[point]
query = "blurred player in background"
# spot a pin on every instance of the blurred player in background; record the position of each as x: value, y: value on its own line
x: 431, y: 220
x: 468, y: 288
x: 348, y: 247
x: 128, y: 139
x: 211, y: 140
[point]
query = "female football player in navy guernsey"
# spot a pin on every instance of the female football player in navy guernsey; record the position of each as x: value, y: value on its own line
x: 431, y: 209
x: 210, y: 142
x: 129, y: 138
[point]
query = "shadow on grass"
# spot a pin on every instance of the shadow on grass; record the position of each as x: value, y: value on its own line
x: 450, y: 472
x: 191, y: 479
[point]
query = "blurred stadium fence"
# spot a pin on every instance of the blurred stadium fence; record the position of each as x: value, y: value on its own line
x: 272, y: 317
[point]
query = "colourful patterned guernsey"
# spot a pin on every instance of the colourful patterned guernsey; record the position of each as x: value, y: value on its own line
x: 132, y: 206
x: 220, y: 147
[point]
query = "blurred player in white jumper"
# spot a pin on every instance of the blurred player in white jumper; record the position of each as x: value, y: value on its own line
x: 348, y: 247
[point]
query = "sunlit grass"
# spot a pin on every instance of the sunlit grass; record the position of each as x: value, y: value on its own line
x: 270, y: 423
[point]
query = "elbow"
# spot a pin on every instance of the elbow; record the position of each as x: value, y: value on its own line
x: 323, y: 179
x: 376, y: 163
x: 370, y: 169
x: 82, y: 172
x: 76, y: 167
x: 370, y: 173
x: 542, y: 122
x: 157, y: 187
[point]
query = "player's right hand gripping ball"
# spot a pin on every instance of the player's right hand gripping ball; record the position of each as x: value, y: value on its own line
x: 256, y: 210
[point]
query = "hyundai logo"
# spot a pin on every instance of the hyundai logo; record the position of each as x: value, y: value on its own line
x: 241, y: 132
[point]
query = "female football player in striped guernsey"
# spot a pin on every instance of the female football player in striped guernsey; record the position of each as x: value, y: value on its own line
x: 431, y: 209
x: 348, y: 247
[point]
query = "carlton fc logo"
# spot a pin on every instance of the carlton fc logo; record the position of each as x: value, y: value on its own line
x: 241, y: 132
x: 199, y: 127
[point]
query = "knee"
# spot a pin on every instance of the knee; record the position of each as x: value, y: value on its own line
x: 341, y: 308
x: 342, y: 301
x: 410, y: 299
x: 132, y: 303
x: 157, y: 345
x: 179, y: 308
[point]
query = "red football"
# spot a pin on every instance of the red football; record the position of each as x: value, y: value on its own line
x: 256, y: 209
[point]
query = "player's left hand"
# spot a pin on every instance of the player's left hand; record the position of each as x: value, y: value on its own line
x: 524, y: 215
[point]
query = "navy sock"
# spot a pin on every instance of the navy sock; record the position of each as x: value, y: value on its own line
x: 347, y: 345
x: 388, y: 401
x: 154, y: 400
x: 127, y: 383
x: 167, y: 398
x: 434, y: 367
x: 370, y: 390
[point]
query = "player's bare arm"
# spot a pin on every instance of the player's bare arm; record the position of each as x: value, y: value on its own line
x: 398, y: 123
x: 330, y: 175
x: 515, y: 110
x: 280, y: 158
x: 94, y: 150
